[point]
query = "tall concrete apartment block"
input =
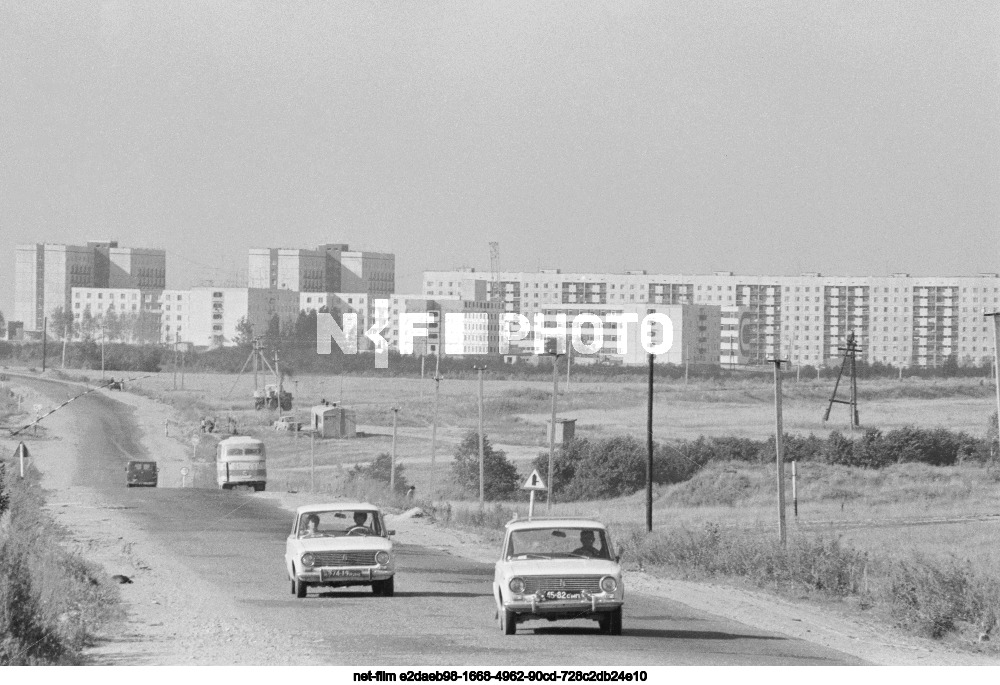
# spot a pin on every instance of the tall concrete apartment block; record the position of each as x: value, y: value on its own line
x: 898, y: 320
x: 330, y: 268
x: 46, y: 273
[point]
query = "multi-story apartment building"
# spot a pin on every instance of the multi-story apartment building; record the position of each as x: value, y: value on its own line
x: 119, y: 314
x: 175, y: 315
x: 215, y: 313
x: 696, y: 331
x: 46, y: 273
x: 328, y: 268
x: 897, y: 320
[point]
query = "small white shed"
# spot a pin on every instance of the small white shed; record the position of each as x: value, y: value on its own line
x: 331, y: 421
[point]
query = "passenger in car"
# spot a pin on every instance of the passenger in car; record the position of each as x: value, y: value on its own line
x: 312, y: 526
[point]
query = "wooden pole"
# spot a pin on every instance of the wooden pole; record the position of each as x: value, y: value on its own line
x: 312, y: 461
x: 45, y: 338
x: 392, y: 461
x: 434, y: 419
x: 482, y: 454
x: 421, y: 376
x: 996, y: 363
x: 552, y: 430
x: 649, y: 450
x: 779, y: 451
x: 65, y: 335
x: 795, y: 498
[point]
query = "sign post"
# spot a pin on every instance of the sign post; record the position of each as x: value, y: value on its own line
x: 533, y: 483
x: 184, y: 473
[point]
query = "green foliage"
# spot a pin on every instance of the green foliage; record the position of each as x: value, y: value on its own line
x: 500, y: 478
x: 924, y: 596
x: 379, y: 471
x: 51, y: 600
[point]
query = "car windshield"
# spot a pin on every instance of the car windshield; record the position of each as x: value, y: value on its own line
x: 562, y: 543
x: 339, y: 523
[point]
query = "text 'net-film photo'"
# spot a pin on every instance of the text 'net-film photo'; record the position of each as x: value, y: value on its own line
x: 515, y: 341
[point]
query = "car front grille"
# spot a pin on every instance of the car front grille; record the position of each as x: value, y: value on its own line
x: 535, y: 584
x: 344, y: 558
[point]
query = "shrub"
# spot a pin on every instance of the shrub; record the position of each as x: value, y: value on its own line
x: 379, y: 470
x: 501, y: 480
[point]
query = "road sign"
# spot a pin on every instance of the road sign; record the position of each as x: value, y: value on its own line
x: 534, y: 482
x: 184, y: 471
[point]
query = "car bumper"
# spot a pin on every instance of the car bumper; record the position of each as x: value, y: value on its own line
x: 345, y: 576
x: 587, y: 603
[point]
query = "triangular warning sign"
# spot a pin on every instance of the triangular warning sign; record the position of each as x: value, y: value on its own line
x: 534, y: 482
x: 21, y: 451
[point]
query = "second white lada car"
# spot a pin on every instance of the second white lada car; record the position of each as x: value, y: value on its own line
x: 340, y: 545
x: 558, y: 569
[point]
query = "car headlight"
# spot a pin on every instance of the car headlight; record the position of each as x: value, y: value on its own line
x: 382, y: 558
x: 308, y: 559
x: 516, y: 585
x: 609, y: 584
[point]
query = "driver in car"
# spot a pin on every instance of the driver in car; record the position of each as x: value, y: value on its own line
x: 587, y: 548
x: 359, y: 527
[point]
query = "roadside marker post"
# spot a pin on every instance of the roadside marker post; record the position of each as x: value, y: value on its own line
x: 22, y: 454
x: 533, y: 484
x: 184, y: 473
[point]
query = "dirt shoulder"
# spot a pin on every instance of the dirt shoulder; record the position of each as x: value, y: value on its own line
x: 175, y: 618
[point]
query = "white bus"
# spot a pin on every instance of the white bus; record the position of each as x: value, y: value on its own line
x: 240, y: 462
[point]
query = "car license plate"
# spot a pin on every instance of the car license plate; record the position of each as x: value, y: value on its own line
x: 560, y: 594
x: 334, y: 573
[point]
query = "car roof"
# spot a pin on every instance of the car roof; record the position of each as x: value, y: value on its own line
x: 239, y: 439
x: 336, y: 506
x: 553, y: 522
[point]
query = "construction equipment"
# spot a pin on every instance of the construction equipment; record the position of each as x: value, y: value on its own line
x: 269, y: 397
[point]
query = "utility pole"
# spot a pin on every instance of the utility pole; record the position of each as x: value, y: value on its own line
x: 65, y: 335
x: 175, y: 361
x: 437, y: 396
x: 996, y: 363
x: 312, y: 461
x: 183, y: 360
x: 45, y: 338
x: 569, y: 362
x: 552, y: 428
x: 392, y: 458
x: 421, y: 376
x: 255, y: 351
x: 102, y: 348
x: 779, y: 450
x: 482, y: 459
x: 649, y: 451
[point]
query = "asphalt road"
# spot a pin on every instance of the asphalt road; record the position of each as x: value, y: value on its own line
x: 442, y: 613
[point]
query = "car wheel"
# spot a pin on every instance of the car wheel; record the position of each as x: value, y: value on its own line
x: 615, y: 622
x: 293, y: 587
x: 300, y: 588
x: 389, y: 587
x: 508, y: 621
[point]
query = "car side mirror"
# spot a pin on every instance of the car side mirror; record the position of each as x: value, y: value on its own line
x: 391, y: 532
x: 618, y: 558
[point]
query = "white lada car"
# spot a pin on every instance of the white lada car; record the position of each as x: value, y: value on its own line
x: 339, y: 545
x: 558, y: 569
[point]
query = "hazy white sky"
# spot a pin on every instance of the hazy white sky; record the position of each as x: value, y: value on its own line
x: 848, y: 138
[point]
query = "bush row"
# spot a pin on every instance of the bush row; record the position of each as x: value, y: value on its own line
x: 51, y: 601
x: 614, y: 467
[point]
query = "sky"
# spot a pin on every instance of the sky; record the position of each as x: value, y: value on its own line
x: 772, y: 138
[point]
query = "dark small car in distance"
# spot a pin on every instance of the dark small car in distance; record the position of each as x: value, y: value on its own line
x: 141, y: 474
